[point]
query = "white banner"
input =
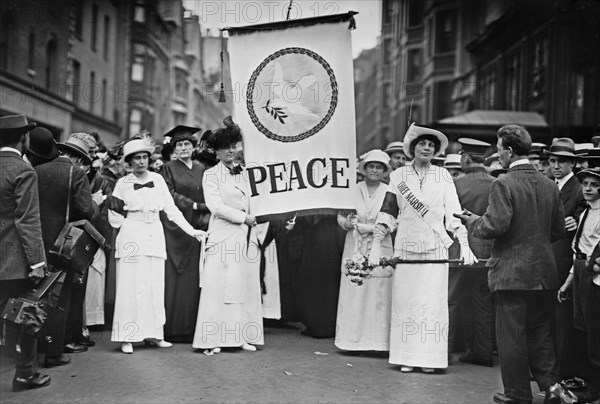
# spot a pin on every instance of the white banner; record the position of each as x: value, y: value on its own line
x: 296, y: 111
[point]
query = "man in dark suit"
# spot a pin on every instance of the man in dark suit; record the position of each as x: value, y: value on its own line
x: 470, y: 287
x: 22, y: 257
x: 54, y: 193
x: 570, y: 343
x: 524, y: 217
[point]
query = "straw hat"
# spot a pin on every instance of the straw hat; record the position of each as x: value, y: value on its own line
x: 394, y: 147
x: 414, y: 131
x: 377, y: 156
x: 452, y: 161
x: 77, y: 143
x: 137, y: 146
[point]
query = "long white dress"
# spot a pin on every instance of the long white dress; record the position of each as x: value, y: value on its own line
x: 230, y: 312
x: 419, y: 324
x: 140, y: 253
x: 363, y: 315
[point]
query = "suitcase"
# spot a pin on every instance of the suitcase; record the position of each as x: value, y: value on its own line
x: 75, y: 247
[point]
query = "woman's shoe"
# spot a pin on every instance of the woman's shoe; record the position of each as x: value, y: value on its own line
x: 127, y: 348
x: 248, y: 347
x: 406, y: 369
x: 160, y: 343
x: 211, y: 352
x: 428, y: 370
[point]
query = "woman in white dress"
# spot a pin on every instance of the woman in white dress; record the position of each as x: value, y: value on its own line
x: 140, y: 249
x: 421, y: 200
x: 363, y: 315
x: 230, y: 313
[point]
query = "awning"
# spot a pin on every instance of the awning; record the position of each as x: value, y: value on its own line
x: 483, y: 124
x: 496, y: 118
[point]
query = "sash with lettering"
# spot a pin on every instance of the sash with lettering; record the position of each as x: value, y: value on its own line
x: 423, y: 212
x: 293, y: 97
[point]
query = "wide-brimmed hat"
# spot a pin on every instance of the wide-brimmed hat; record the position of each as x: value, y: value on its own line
x: 180, y: 133
x: 588, y: 171
x: 415, y: 131
x: 15, y: 124
x: 375, y: 156
x: 78, y: 143
x: 137, y: 146
x: 42, y: 144
x: 562, y: 147
x: 452, y: 161
x: 592, y: 154
x: 394, y: 147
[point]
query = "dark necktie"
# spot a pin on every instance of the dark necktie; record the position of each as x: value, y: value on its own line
x: 235, y: 170
x: 149, y: 184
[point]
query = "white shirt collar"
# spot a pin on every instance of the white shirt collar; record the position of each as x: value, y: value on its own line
x: 11, y: 149
x: 519, y: 162
x: 562, y: 181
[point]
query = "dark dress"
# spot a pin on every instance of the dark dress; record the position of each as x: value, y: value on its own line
x: 182, y: 291
x: 318, y: 281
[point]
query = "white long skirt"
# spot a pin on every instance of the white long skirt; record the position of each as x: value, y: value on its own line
x: 363, y: 318
x: 94, y: 292
x: 139, y: 300
x: 419, y: 327
x: 221, y: 324
x: 271, y: 301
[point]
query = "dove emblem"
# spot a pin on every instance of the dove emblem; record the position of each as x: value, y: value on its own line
x: 280, y: 105
x: 292, y: 95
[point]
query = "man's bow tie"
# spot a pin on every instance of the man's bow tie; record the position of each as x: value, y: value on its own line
x: 235, y: 170
x: 149, y: 184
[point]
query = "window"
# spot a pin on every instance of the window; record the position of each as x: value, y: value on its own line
x: 94, y: 26
x: 78, y: 18
x: 445, y: 31
x: 415, y: 12
x: 92, y: 91
x: 178, y: 118
x: 139, y: 12
x: 104, y: 96
x: 414, y: 63
x: 181, y: 84
x: 76, y: 81
x: 50, y: 62
x: 31, y: 53
x: 488, y: 90
x: 539, y: 64
x: 387, y: 51
x: 443, y: 100
x: 137, y: 68
x: 513, y: 83
x: 106, y: 36
x: 135, y: 121
x: 577, y: 98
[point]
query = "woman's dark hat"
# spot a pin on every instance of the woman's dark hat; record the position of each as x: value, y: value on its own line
x: 182, y: 132
x: 588, y: 171
x: 78, y: 144
x: 15, y: 124
x: 42, y: 144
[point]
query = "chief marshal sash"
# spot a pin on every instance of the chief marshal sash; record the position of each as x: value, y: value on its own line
x: 423, y: 212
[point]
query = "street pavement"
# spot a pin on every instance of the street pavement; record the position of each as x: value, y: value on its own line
x: 289, y: 368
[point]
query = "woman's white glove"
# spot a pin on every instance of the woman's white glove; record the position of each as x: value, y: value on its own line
x: 375, y: 253
x: 200, y: 235
x: 466, y: 255
x: 364, y: 228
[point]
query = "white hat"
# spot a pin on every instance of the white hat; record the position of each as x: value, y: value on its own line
x: 452, y: 161
x: 394, y: 147
x: 375, y: 155
x: 137, y: 146
x: 414, y: 131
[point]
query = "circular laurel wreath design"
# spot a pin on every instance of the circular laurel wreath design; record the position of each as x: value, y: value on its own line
x: 315, y: 129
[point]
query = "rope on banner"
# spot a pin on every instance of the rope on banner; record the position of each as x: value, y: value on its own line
x: 222, y: 92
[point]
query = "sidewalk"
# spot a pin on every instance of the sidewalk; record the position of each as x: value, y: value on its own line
x: 285, y: 370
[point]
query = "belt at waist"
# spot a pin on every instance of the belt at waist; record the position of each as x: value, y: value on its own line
x: 580, y: 256
x: 148, y: 216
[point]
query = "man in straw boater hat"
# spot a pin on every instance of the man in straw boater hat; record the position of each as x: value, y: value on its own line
x: 23, y: 258
x: 584, y: 281
x: 524, y: 216
x: 468, y: 287
x: 397, y: 156
x: 562, y: 159
x: 62, y: 183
